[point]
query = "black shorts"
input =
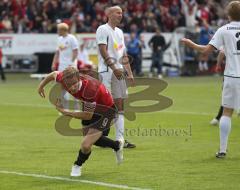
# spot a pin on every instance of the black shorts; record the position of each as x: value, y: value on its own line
x: 102, y: 120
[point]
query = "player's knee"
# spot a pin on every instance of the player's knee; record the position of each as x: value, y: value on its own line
x: 86, y: 147
x: 227, y: 112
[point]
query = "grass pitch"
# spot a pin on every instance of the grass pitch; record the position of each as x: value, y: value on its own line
x: 29, y: 143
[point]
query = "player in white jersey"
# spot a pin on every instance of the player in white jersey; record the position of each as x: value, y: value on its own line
x: 228, y: 37
x: 67, y: 49
x: 65, y: 56
x: 113, y: 62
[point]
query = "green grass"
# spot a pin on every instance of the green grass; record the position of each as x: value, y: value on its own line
x: 30, y: 144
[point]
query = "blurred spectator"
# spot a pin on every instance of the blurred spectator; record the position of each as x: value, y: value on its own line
x: 169, y: 23
x: 83, y: 53
x: 157, y: 44
x: 1, y: 67
x: 203, y: 13
x: 204, y: 37
x: 190, y: 12
x: 84, y: 64
x: 7, y: 24
x: 138, y: 32
x: 40, y: 16
x: 134, y: 51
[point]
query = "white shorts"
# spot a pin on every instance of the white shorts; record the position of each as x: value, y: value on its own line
x: 118, y: 88
x: 231, y: 93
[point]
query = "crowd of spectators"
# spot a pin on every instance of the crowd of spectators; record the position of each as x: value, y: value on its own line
x: 41, y: 16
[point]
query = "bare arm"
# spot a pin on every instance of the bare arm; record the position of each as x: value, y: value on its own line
x: 128, y: 69
x: 110, y: 61
x: 77, y: 115
x: 55, y: 60
x: 220, y: 59
x: 204, y: 49
x: 50, y: 77
x: 83, y: 115
x: 127, y: 66
x: 74, y: 55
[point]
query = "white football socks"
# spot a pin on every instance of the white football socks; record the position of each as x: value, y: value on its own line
x: 225, y: 128
x: 119, y: 125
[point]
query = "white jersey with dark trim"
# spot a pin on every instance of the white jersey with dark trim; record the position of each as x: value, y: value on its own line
x: 114, y: 39
x: 228, y: 37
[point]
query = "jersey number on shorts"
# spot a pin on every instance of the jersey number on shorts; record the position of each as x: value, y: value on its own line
x: 105, y: 122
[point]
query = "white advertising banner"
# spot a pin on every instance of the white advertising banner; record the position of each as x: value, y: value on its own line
x: 25, y: 44
x: 18, y: 44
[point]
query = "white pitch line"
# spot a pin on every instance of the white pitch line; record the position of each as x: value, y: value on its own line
x: 72, y: 180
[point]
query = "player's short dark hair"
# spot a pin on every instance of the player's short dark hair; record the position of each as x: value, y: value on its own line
x: 233, y: 10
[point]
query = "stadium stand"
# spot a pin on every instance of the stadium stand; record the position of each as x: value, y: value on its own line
x: 41, y: 16
x: 140, y: 16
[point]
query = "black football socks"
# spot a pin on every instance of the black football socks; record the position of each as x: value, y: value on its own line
x: 107, y: 142
x: 81, y: 158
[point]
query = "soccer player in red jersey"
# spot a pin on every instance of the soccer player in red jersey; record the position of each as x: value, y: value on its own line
x: 97, y: 115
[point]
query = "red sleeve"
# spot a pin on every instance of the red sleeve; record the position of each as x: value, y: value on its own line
x: 59, y: 77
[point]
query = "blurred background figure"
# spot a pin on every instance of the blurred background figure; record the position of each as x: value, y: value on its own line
x: 204, y: 38
x: 134, y: 51
x: 84, y: 64
x: 190, y: 12
x: 1, y: 67
x: 157, y: 43
x: 86, y: 15
x: 83, y: 54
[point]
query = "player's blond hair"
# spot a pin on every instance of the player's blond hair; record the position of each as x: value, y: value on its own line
x: 63, y: 26
x: 69, y: 73
x: 233, y: 10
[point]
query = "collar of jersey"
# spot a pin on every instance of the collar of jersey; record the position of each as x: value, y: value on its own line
x: 235, y: 22
x: 110, y: 27
x: 64, y: 36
